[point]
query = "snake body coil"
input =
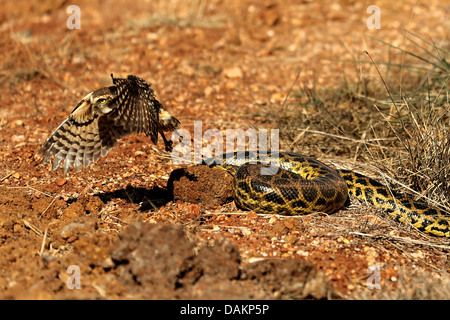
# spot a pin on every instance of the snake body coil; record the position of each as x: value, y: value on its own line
x: 293, y: 184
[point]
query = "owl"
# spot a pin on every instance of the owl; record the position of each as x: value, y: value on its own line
x: 102, y: 117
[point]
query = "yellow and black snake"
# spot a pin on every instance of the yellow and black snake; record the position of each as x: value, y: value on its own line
x: 294, y: 184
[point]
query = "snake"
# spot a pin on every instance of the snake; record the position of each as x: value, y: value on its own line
x: 292, y: 184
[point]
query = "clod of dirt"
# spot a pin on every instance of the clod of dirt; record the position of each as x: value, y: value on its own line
x: 201, y: 184
x: 153, y: 255
x: 221, y: 266
x: 217, y: 270
x: 78, y: 227
x: 284, y: 227
x: 96, y: 255
x: 159, y: 261
x: 289, y: 278
x: 87, y: 204
x: 19, y: 203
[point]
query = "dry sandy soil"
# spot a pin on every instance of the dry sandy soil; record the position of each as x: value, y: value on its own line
x: 131, y: 232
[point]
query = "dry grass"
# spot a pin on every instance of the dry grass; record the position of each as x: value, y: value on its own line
x: 404, y: 133
x: 398, y: 129
x: 22, y: 65
x: 179, y: 13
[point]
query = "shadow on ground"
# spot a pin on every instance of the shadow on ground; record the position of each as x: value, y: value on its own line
x: 146, y: 198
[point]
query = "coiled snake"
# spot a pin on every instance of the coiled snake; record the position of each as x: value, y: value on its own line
x: 298, y: 184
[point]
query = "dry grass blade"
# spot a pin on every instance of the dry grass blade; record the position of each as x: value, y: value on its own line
x: 7, y: 176
x: 403, y: 239
x: 49, y: 205
x: 30, y: 226
x: 44, y: 238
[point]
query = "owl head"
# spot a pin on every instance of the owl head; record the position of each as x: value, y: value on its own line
x: 98, y: 102
x: 103, y: 100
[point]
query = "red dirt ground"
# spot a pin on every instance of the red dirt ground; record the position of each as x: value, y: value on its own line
x: 225, y: 63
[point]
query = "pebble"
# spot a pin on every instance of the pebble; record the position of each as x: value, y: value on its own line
x: 233, y: 72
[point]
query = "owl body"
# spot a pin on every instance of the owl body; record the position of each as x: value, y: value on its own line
x: 102, y: 117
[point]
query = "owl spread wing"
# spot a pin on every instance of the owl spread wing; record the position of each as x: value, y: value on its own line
x: 138, y: 109
x: 91, y: 130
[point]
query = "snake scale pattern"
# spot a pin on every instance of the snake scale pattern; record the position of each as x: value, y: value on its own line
x: 295, y: 184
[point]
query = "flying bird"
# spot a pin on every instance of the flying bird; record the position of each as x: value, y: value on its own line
x: 102, y: 117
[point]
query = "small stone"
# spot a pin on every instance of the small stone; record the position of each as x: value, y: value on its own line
x: 233, y: 72
x: 61, y: 182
